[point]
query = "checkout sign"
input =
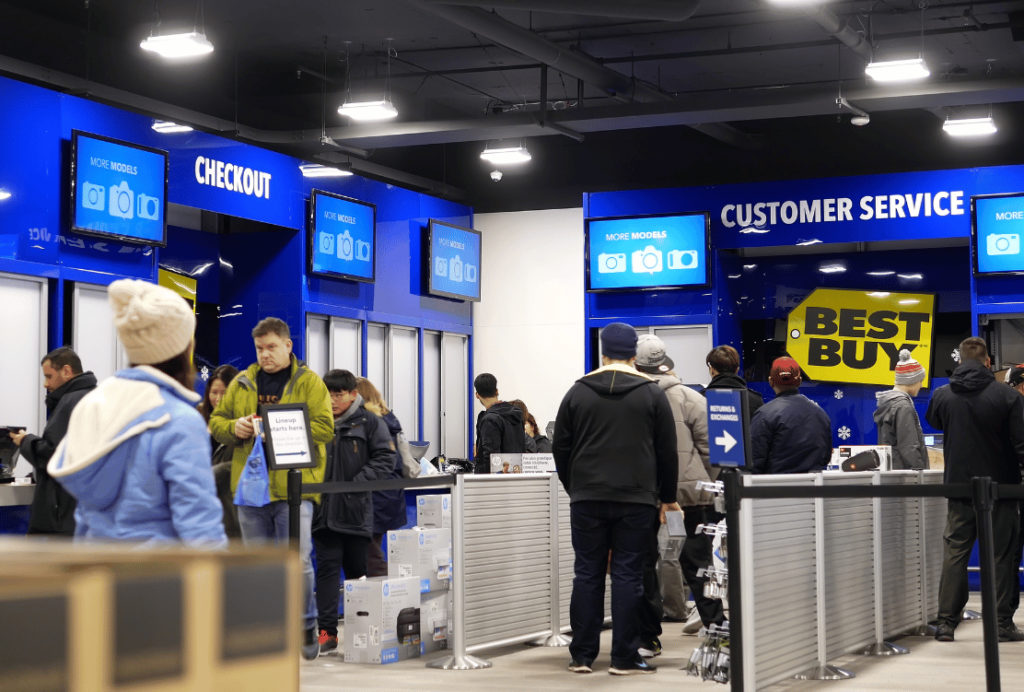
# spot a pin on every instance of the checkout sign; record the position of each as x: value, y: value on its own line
x: 857, y: 336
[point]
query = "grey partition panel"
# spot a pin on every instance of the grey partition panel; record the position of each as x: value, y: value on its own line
x: 849, y: 568
x: 566, y: 564
x: 783, y: 578
x: 507, y: 568
x: 933, y: 529
x: 901, y: 557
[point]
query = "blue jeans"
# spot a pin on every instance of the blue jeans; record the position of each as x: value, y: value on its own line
x: 598, y: 527
x: 262, y: 525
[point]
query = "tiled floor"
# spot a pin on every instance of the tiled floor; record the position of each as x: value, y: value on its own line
x: 930, y: 666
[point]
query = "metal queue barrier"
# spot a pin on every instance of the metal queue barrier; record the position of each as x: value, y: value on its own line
x: 822, y: 565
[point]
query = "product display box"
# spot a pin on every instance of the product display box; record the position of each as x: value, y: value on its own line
x: 422, y: 553
x: 382, y: 620
x: 842, y: 453
x: 435, y: 611
x: 434, y: 511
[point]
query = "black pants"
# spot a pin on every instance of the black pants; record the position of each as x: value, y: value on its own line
x: 1017, y: 557
x: 959, y: 538
x: 694, y: 556
x: 334, y: 551
x: 651, y: 607
x: 376, y: 563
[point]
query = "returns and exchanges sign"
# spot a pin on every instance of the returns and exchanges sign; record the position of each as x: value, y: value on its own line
x: 856, y: 336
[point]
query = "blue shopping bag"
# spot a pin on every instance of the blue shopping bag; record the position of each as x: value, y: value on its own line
x: 254, y: 483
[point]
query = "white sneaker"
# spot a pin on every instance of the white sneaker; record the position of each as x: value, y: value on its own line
x: 693, y: 623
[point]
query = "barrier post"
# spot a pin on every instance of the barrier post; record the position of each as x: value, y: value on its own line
x: 982, y: 491
x: 731, y: 481
x: 556, y: 638
x: 880, y: 647
x: 294, y: 506
x: 924, y: 629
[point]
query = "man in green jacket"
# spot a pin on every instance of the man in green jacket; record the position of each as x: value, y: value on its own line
x: 277, y: 378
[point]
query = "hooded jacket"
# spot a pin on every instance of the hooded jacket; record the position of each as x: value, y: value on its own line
x: 730, y: 380
x: 137, y: 459
x: 498, y: 429
x: 615, y: 439
x: 362, y: 450
x: 53, y: 509
x: 899, y: 427
x: 543, y: 443
x: 691, y: 417
x: 241, y: 399
x: 790, y: 434
x: 983, y: 422
x: 389, y: 511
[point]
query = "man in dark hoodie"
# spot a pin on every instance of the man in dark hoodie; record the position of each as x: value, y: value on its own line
x: 53, y: 509
x: 723, y: 363
x: 896, y: 417
x: 615, y: 452
x: 983, y: 422
x: 499, y: 427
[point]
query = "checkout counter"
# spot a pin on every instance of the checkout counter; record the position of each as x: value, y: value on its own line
x: 14, y: 507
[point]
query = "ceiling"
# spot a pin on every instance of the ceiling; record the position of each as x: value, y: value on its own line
x: 645, y: 93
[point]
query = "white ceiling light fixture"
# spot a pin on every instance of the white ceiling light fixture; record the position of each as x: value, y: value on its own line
x: 374, y: 110
x: 4, y: 195
x: 168, y: 128
x: 970, y: 127
x: 315, y: 170
x: 897, y: 70
x: 502, y: 154
x: 189, y: 44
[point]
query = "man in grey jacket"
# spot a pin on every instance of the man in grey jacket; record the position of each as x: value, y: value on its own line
x: 689, y: 409
x: 896, y: 418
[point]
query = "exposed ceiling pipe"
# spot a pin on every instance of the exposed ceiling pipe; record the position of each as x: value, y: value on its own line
x: 570, y: 63
x: 838, y: 27
x: 656, y: 10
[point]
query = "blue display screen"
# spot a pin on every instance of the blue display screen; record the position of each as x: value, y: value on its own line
x: 647, y: 252
x: 119, y: 189
x: 998, y: 227
x: 454, y: 261
x: 342, y: 244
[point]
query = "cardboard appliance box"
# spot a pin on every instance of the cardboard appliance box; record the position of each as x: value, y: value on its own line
x: 382, y: 620
x: 422, y: 553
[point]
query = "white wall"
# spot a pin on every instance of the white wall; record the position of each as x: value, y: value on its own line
x: 528, y: 328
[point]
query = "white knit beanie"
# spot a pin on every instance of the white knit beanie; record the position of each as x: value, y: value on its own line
x: 154, y: 323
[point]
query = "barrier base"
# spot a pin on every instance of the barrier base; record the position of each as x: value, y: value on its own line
x: 884, y: 649
x: 466, y: 662
x: 825, y: 673
x: 923, y: 631
x: 972, y: 615
x: 553, y: 640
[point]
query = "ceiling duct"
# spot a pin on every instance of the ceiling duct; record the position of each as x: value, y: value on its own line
x: 840, y: 29
x: 572, y: 64
x: 654, y: 10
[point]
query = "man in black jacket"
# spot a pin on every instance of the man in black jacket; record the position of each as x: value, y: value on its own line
x: 983, y: 422
x: 791, y: 433
x: 723, y: 365
x: 362, y: 450
x: 499, y: 427
x: 615, y: 452
x: 53, y: 509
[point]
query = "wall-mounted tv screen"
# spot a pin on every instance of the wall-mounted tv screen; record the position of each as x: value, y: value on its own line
x: 647, y: 252
x: 997, y: 224
x: 454, y: 261
x: 343, y: 234
x: 118, y: 189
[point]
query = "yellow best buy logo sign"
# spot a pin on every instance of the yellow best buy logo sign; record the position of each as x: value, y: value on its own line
x: 856, y: 336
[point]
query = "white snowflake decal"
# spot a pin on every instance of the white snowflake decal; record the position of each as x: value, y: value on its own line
x: 838, y: 394
x: 956, y: 354
x: 204, y: 373
x: 844, y: 433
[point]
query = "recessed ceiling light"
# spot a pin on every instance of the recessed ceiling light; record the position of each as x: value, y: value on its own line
x: 169, y: 128
x: 885, y: 273
x: 880, y: 294
x: 897, y: 70
x: 969, y: 127
x: 4, y: 194
x: 832, y: 269
x: 368, y: 111
x: 503, y: 155
x: 812, y: 241
x: 315, y: 170
x: 188, y: 45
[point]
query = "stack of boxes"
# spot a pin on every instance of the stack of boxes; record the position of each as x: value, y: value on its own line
x: 435, y: 512
x: 426, y: 555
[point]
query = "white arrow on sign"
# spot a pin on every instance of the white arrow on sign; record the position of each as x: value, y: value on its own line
x: 726, y: 440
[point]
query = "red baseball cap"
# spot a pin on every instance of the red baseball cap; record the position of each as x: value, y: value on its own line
x: 785, y: 373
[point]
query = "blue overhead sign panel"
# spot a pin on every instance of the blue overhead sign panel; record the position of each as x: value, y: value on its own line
x: 727, y: 427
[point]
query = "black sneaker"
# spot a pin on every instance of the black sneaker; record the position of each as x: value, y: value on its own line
x: 943, y: 632
x: 1011, y: 634
x: 650, y: 649
x: 636, y: 667
x: 310, y: 644
x: 579, y: 667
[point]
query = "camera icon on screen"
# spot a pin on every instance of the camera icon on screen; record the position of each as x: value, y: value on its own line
x: 1003, y: 244
x: 455, y: 269
x: 122, y: 201
x: 345, y: 246
x: 441, y: 266
x: 647, y: 261
x: 682, y: 259
x: 611, y: 262
x: 326, y: 243
x: 471, y: 273
x: 362, y: 251
x: 93, y: 196
x: 147, y: 207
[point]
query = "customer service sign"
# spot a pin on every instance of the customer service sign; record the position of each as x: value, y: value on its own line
x: 857, y: 336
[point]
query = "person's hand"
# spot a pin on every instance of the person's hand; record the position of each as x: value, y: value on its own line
x: 17, y: 437
x: 668, y: 507
x: 244, y: 428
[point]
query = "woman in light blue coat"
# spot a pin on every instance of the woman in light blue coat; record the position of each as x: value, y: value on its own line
x: 136, y: 455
